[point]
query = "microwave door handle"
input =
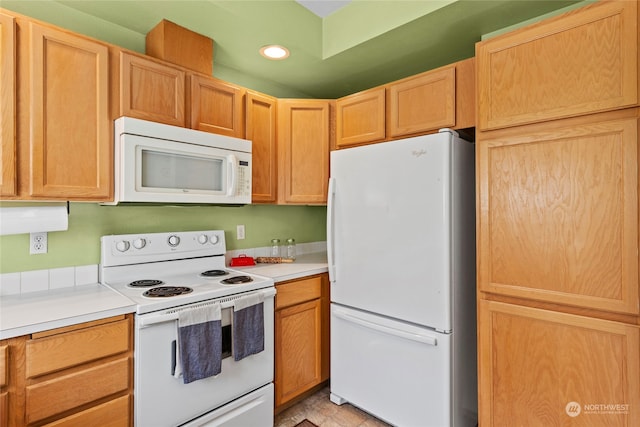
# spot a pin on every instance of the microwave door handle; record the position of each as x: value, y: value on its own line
x: 232, y: 174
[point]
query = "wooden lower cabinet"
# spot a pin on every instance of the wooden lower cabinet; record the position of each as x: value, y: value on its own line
x: 545, y: 368
x: 301, y: 332
x: 78, y: 375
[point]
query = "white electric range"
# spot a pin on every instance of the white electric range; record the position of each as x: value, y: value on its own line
x: 164, y: 274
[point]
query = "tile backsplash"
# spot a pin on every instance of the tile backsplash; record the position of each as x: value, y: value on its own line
x: 66, y: 277
x: 42, y: 280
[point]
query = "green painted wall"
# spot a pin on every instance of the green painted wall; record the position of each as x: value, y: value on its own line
x: 82, y: 23
x: 80, y: 244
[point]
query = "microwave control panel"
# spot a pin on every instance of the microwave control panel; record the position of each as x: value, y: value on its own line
x: 244, y: 179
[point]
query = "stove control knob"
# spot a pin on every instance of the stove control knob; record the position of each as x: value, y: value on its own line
x: 202, y: 239
x: 122, y: 246
x: 214, y: 239
x: 173, y: 240
x: 139, y: 243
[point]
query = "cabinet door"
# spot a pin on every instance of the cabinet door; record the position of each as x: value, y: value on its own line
x: 558, y: 215
x: 422, y: 103
x: 151, y: 90
x: 8, y: 177
x: 584, y: 61
x: 360, y: 118
x: 216, y: 106
x: 298, y: 350
x: 543, y: 368
x: 4, y: 382
x: 70, y: 141
x: 261, y: 131
x: 303, y: 151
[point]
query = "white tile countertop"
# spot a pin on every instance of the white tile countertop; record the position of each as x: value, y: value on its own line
x: 31, y: 312
x: 304, y: 265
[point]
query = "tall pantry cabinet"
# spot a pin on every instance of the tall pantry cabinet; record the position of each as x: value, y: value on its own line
x: 557, y: 221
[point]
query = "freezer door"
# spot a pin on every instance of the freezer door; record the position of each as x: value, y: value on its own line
x: 400, y: 373
x: 390, y: 226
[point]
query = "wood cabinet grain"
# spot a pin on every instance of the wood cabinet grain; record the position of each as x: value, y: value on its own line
x: 301, y: 334
x: 558, y: 215
x: 216, y: 106
x: 360, y: 118
x: 151, y: 90
x: 583, y: 62
x: 540, y: 367
x: 557, y: 221
x: 422, y: 102
x: 67, y: 150
x: 8, y: 82
x: 78, y: 375
x: 303, y: 151
x: 261, y: 124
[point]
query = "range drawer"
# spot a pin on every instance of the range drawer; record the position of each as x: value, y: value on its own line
x: 297, y: 291
x: 65, y: 350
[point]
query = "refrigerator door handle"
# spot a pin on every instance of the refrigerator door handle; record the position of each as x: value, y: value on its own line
x: 330, y: 230
x: 425, y: 339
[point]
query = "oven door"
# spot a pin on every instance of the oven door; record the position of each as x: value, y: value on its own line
x: 158, y: 170
x: 161, y: 399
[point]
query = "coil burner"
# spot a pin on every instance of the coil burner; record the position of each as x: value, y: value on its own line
x: 167, y: 291
x: 236, y: 280
x: 214, y: 273
x: 145, y: 283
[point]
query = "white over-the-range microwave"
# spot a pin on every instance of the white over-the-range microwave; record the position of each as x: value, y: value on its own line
x: 158, y: 163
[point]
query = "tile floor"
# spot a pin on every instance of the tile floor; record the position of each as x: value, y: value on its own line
x: 318, y: 409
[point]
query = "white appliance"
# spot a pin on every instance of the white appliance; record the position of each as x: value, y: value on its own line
x: 401, y: 253
x: 159, y: 163
x: 164, y: 274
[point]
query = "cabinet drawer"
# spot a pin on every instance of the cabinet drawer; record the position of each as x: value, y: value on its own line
x: 4, y: 366
x: 298, y: 291
x: 69, y: 349
x: 66, y: 392
x: 114, y: 413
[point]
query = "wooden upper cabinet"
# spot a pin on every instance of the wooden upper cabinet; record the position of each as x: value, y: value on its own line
x: 539, y: 367
x: 558, y: 214
x: 360, y: 118
x: 422, y: 103
x: 216, y: 106
x: 581, y: 62
x: 261, y: 131
x: 151, y: 90
x: 8, y: 171
x: 303, y: 150
x: 67, y: 111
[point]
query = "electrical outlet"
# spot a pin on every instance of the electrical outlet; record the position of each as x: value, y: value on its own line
x: 38, y: 243
x: 240, y: 232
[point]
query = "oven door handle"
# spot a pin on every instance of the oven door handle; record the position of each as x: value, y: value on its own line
x: 147, y: 320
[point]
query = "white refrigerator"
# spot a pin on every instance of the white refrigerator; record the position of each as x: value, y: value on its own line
x: 401, y: 253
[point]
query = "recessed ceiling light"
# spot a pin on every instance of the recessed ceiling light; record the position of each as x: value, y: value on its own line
x: 274, y: 51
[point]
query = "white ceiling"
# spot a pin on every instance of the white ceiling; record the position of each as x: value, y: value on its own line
x: 323, y: 8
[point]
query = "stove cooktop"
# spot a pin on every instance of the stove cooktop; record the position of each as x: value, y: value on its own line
x: 165, y: 270
x: 186, y: 288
